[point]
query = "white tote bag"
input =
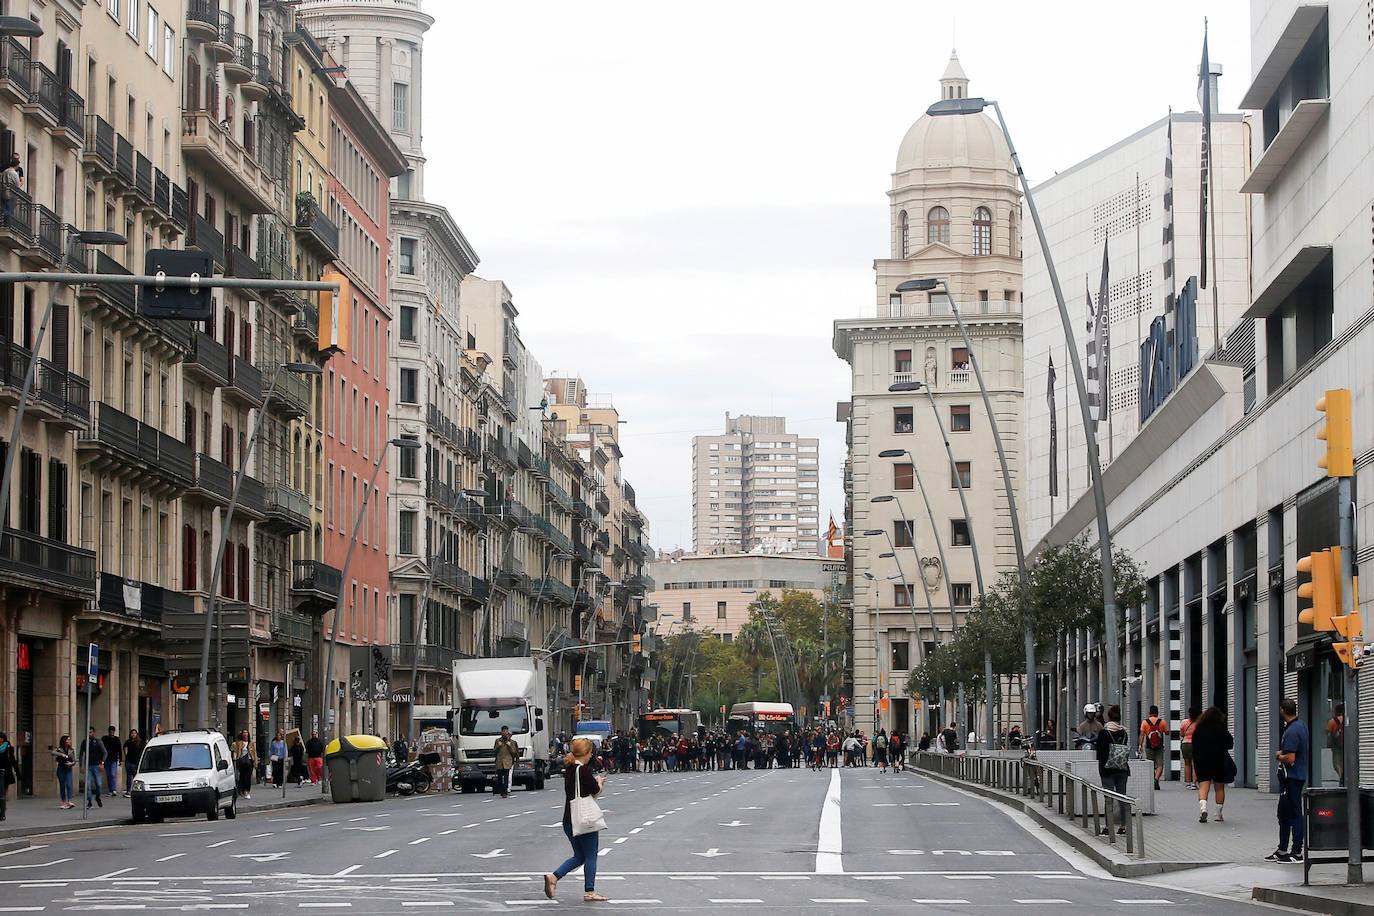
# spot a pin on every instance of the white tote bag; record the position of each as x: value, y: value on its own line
x: 586, y: 813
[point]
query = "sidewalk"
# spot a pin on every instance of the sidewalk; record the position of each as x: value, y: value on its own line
x: 34, y: 815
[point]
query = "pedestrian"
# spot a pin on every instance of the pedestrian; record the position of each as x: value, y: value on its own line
x: 133, y: 753
x: 1048, y: 737
x: 9, y: 771
x: 1335, y: 740
x: 314, y: 758
x: 1212, y: 763
x: 1185, y: 745
x: 896, y: 751
x: 1113, y: 748
x: 1293, y: 757
x: 114, y: 756
x: 296, y: 754
x: 93, y: 754
x: 65, y: 755
x: 924, y: 744
x: 1089, y: 727
x: 507, y: 752
x: 400, y: 751
x: 1154, y: 739
x: 245, y: 763
x: 10, y: 182
x: 276, y: 753
x: 578, y: 782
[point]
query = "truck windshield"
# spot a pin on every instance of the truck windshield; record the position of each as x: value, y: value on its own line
x: 487, y: 720
x: 163, y: 758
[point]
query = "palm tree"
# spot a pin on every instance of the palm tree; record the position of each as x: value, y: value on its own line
x: 756, y: 645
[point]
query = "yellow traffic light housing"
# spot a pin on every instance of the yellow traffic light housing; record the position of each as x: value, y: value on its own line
x: 1324, y: 591
x: 1351, y: 628
x: 636, y: 644
x: 577, y: 682
x: 1339, y: 458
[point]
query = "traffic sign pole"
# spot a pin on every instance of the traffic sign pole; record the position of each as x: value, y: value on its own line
x: 92, y: 665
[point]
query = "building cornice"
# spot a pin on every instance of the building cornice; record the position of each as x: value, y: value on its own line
x: 443, y: 227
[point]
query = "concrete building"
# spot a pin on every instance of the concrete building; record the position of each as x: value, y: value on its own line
x: 955, y: 215
x: 1218, y: 494
x: 1092, y: 205
x: 714, y: 592
x: 755, y: 487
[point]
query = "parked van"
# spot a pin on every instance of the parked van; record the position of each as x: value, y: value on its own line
x: 184, y: 773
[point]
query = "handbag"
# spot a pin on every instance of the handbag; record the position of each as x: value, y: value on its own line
x: 1228, y: 770
x: 1118, y: 758
x: 584, y: 811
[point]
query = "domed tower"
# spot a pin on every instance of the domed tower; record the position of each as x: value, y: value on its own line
x: 955, y: 202
x: 381, y: 44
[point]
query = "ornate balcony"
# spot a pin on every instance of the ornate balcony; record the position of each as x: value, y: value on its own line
x: 208, y: 239
x: 405, y: 656
x: 315, y: 586
x: 124, y: 162
x: 121, y: 445
x: 181, y: 208
x: 202, y: 20
x: 221, y: 46
x: 239, y: 66
x: 99, y: 152
x: 245, y: 382
x: 254, y: 87
x: 143, y: 179
x: 71, y: 120
x: 45, y: 564
x: 162, y: 194
x: 210, y: 146
x: 315, y: 230
x: 293, y: 631
x: 45, y: 95
x: 14, y: 70
x: 214, y: 481
x: 153, y: 601
x: 58, y: 397
x: 208, y: 359
x: 252, y: 498
x: 291, y: 398
x: 288, y: 509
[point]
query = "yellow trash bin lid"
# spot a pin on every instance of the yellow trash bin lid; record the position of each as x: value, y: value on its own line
x: 355, y: 743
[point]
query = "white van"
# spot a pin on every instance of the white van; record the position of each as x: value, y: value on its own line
x: 184, y: 773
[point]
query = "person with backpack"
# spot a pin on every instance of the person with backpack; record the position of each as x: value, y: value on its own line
x: 1185, y: 747
x: 1212, y: 762
x: 880, y: 749
x: 1114, y: 762
x: 245, y: 763
x: 1154, y: 739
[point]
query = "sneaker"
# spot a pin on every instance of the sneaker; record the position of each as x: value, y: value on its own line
x: 1221, y: 818
x: 1295, y: 856
x: 1202, y: 817
x: 1278, y: 855
x: 98, y: 802
x: 1156, y: 785
x: 1121, y: 831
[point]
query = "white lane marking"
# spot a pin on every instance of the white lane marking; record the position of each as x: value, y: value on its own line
x: 294, y: 829
x: 877, y: 877
x: 447, y: 832
x: 21, y: 909
x: 636, y: 830
x: 175, y: 855
x: 348, y: 871
x: 529, y: 902
x: 15, y: 852
x: 641, y: 900
x: 838, y: 900
x: 53, y: 862
x: 969, y: 877
x: 621, y: 840
x: 395, y: 880
x: 328, y: 823
x: 320, y: 906
x: 188, y: 833
x: 692, y: 878
x: 219, y: 844
x: 426, y: 903
x: 282, y: 820
x: 423, y: 839
x: 1158, y: 901
x: 1039, y: 900
x: 829, y: 842
x: 604, y: 851
x: 784, y: 877
x: 1063, y: 877
x: 383, y: 855
x: 938, y: 900
x: 258, y: 836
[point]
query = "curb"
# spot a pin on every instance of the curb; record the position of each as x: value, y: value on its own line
x: 1312, y: 901
x: 1133, y: 868
x: 12, y: 833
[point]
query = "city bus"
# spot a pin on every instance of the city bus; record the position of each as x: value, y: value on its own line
x: 773, y: 718
x: 669, y: 723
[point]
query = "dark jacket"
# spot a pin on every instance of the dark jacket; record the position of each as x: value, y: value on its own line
x: 94, y: 752
x: 1211, y: 757
x: 133, y: 753
x: 9, y: 766
x: 590, y: 787
x: 114, y: 750
x: 314, y: 747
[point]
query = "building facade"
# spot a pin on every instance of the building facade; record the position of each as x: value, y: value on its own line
x: 755, y: 487
x: 1218, y: 495
x: 955, y: 216
x: 714, y: 592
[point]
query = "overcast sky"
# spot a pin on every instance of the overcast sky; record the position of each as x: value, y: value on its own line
x: 683, y: 197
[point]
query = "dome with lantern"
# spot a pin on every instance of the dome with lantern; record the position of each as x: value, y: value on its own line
x: 970, y: 140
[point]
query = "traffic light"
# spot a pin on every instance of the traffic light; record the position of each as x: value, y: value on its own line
x: 1339, y: 459
x: 577, y: 713
x: 177, y: 303
x: 1324, y: 591
x: 636, y: 644
x: 577, y: 682
x: 1350, y: 627
x: 334, y: 332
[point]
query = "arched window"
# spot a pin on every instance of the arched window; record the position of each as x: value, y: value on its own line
x: 982, y: 231
x: 937, y: 225
x: 902, y: 238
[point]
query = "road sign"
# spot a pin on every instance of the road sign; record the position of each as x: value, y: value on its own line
x: 93, y: 659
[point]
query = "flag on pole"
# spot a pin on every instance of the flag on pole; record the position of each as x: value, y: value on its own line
x: 1091, y: 327
x: 1204, y: 88
x: 1169, y: 219
x: 1099, y: 347
x: 1054, y: 433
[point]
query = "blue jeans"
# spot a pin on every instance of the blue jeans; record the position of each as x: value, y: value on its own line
x: 112, y: 776
x: 64, y: 783
x: 1290, y: 814
x: 93, y: 781
x: 584, y: 854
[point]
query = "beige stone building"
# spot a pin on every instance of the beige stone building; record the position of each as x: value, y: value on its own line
x: 714, y: 592
x: 755, y: 487
x: 955, y: 216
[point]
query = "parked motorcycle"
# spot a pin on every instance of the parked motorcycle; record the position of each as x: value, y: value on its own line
x: 412, y: 777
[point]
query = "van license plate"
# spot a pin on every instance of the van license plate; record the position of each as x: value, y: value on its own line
x: 167, y: 799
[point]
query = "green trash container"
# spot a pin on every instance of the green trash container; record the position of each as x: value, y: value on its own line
x: 357, y: 768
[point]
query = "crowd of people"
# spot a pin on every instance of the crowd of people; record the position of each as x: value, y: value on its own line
x: 715, y: 749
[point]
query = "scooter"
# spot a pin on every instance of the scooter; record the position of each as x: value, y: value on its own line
x: 412, y: 777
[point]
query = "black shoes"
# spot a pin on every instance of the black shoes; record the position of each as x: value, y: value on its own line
x: 1278, y: 855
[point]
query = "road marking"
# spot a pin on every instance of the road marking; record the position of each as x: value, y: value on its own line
x: 423, y: 839
x: 938, y: 900
x: 294, y: 829
x: 426, y: 903
x: 447, y: 832
x: 735, y: 823
x: 281, y: 820
x: 470, y: 826
x: 394, y: 880
x: 328, y: 823
x: 735, y: 900
x: 54, y: 862
x: 320, y: 906
x: 258, y: 836
x: 604, y: 851
x: 15, y: 852
x: 692, y: 878
x: 621, y: 840
x: 188, y: 833
x: 1063, y: 877
x: 636, y: 830
x: 175, y: 855
x: 838, y: 900
x: 784, y: 877
x: 529, y: 902
x: 1039, y: 900
x: 641, y: 901
x: 348, y: 871
x: 969, y: 877
x: 21, y: 909
x: 219, y: 844
x: 711, y: 853
x: 383, y: 855
x: 877, y: 877
x: 1158, y: 901
x: 829, y: 842
x: 497, y: 853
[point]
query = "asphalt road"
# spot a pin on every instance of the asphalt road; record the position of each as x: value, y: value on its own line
x: 844, y: 841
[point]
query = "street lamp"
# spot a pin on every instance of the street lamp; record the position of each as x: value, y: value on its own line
x: 947, y: 107
x: 20, y: 27
x: 927, y: 284
x: 93, y: 237
x: 400, y: 443
x: 212, y: 606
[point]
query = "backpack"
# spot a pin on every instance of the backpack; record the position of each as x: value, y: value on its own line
x: 1155, y: 739
x: 1118, y: 756
x: 881, y: 743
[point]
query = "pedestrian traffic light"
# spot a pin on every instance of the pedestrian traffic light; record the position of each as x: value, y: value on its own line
x: 1350, y: 627
x: 1339, y: 458
x: 636, y: 644
x: 1324, y: 591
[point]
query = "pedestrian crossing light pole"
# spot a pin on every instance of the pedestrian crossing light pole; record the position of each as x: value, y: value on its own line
x: 1333, y: 587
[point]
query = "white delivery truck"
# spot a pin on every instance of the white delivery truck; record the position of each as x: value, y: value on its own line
x: 487, y: 694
